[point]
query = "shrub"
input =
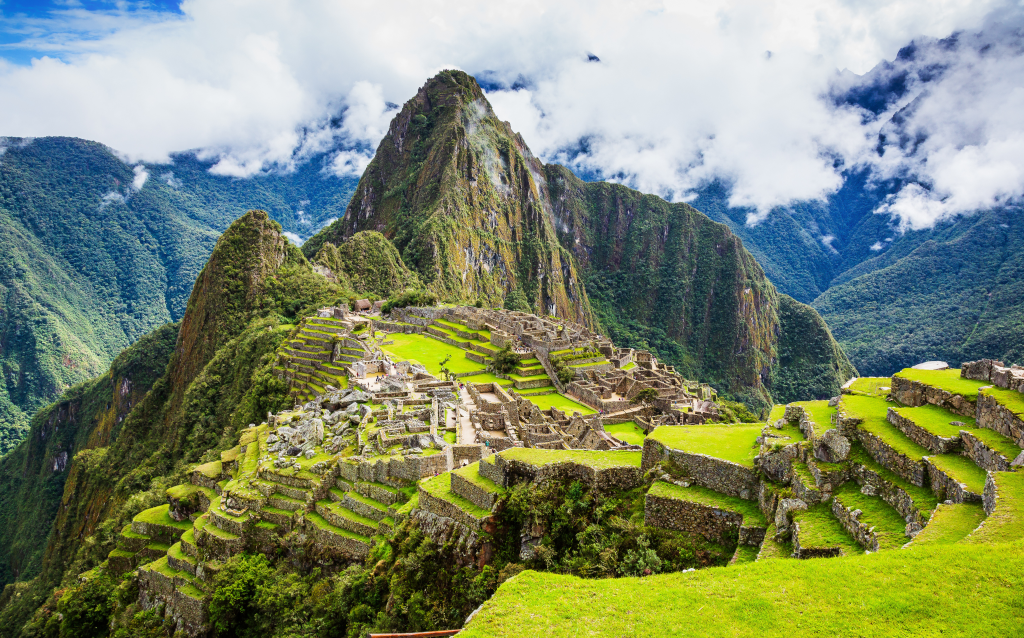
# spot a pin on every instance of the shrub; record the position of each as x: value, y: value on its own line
x: 505, y: 361
x: 410, y: 298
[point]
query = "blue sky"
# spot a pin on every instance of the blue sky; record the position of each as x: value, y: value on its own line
x: 33, y: 28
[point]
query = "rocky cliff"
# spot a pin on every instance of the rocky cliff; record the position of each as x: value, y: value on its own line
x: 477, y: 216
x: 465, y: 203
x: 366, y: 262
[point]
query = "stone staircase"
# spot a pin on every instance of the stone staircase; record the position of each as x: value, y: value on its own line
x: 316, y: 355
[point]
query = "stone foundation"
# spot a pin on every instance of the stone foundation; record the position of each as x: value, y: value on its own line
x: 916, y: 394
x: 936, y: 444
x: 716, y: 474
x: 906, y: 467
x: 999, y: 419
x: 714, y: 524
x: 983, y: 456
x: 946, y: 488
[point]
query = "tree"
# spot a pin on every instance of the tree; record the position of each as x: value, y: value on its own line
x: 645, y: 397
x: 505, y: 361
x: 448, y: 375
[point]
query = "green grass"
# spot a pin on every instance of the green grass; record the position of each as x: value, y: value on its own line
x: 561, y: 402
x: 210, y: 470
x: 948, y: 380
x: 441, y: 487
x: 950, y: 524
x: 127, y: 532
x: 472, y: 474
x: 430, y: 353
x: 936, y: 420
x: 159, y: 515
x: 745, y: 554
x: 752, y: 515
x: 804, y: 474
x: 872, y: 411
x: 487, y: 377
x: 736, y: 443
x: 356, y: 496
x: 628, y: 432
x: 409, y: 505
x: 872, y: 385
x: 928, y: 592
x: 1007, y: 521
x: 962, y: 470
x: 889, y: 525
x: 819, y: 412
x: 451, y: 437
x: 1002, y: 444
x: 1009, y: 399
x: 319, y: 521
x: 777, y: 412
x: 590, y: 458
x: 772, y: 548
x: 924, y: 499
x: 820, y: 529
x: 174, y: 551
x: 629, y: 366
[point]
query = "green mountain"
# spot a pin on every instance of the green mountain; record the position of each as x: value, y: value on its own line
x: 107, y: 450
x: 93, y: 254
x: 477, y: 216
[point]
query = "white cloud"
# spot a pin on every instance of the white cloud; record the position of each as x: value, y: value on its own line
x: 141, y: 175
x: 292, y: 237
x: 683, y: 92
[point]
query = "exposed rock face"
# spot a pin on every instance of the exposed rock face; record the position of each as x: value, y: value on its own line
x: 833, y: 448
x: 476, y: 215
x: 782, y: 512
x: 367, y: 263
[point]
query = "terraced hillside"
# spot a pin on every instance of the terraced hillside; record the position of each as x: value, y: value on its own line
x: 921, y: 504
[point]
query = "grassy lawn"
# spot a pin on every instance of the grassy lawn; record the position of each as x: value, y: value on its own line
x: 629, y: 366
x: 819, y: 412
x: 486, y: 377
x: 441, y: 487
x: 1009, y: 399
x: 590, y: 458
x: 629, y: 432
x: 928, y: 592
x: 450, y: 437
x: 472, y: 474
x: 430, y: 353
x: 736, y: 443
x: 562, y: 402
x: 1007, y: 521
x: 872, y: 385
x: 889, y: 525
x: 772, y: 548
x: 873, y: 410
x: 752, y: 516
x: 778, y: 411
x: 159, y: 516
x: 950, y: 524
x: 937, y: 420
x: 962, y: 470
x: 924, y: 499
x: 948, y: 380
x: 819, y: 528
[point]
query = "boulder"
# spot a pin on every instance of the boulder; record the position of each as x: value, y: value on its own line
x: 832, y: 447
x: 787, y: 505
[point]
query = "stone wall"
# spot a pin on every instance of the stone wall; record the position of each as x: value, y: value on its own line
x: 892, y: 460
x: 935, y: 443
x: 983, y: 456
x: 916, y: 394
x: 714, y: 524
x: 811, y: 552
x: 850, y: 520
x: 490, y: 470
x: 996, y: 417
x: 991, y: 496
x: 446, y: 509
x: 947, y: 488
x: 809, y: 494
x: 473, y: 493
x: 891, y: 494
x: 716, y: 474
x: 623, y: 478
x: 347, y: 545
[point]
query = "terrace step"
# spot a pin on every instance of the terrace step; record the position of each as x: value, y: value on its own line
x: 955, y: 478
x: 773, y: 549
x: 468, y: 483
x: 1004, y: 504
x: 877, y: 526
x: 699, y: 510
x: 340, y: 516
x: 328, y: 534
x: 819, y: 534
x: 950, y: 524
x: 384, y: 494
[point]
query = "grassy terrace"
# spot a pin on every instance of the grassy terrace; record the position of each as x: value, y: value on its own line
x: 819, y: 412
x: 1009, y: 399
x: 628, y: 432
x: 876, y: 513
x: 872, y: 386
x: 472, y: 474
x: 484, y: 334
x: 561, y: 402
x: 736, y: 443
x: 962, y: 470
x: 487, y: 377
x: 950, y: 524
x: 430, y: 353
x: 923, y: 498
x: 159, y: 516
x: 752, y: 516
x: 441, y: 487
x: 820, y: 529
x: 948, y: 380
x: 873, y: 410
x: 936, y: 420
x: 1007, y: 521
x: 590, y: 458
x: 319, y: 521
x: 772, y: 548
x: 928, y: 592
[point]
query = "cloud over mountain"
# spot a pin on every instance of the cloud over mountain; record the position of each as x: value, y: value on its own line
x: 660, y: 95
